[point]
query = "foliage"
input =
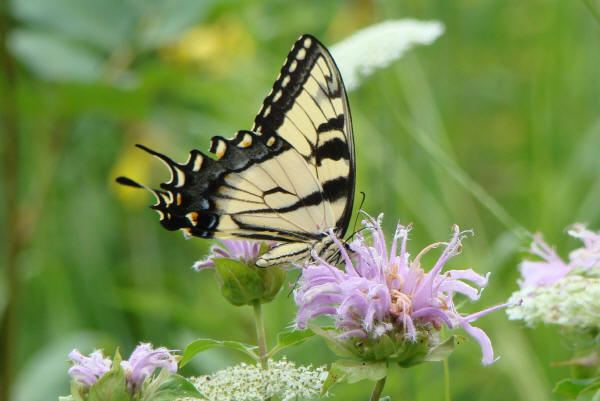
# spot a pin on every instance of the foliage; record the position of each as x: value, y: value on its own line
x: 574, y: 388
x: 495, y: 127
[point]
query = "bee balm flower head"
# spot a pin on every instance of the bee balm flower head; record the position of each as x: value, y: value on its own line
x: 144, y: 360
x: 240, y: 280
x: 88, y: 369
x: 385, y: 292
x: 142, y: 363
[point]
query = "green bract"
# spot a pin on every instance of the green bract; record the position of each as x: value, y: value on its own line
x: 369, y: 358
x: 392, y: 347
x: 243, y: 284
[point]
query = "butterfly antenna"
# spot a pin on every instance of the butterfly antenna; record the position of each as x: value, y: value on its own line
x: 295, y: 285
x: 354, y: 231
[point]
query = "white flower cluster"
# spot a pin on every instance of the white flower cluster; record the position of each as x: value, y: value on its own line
x: 377, y: 46
x: 282, y: 380
x: 571, y: 301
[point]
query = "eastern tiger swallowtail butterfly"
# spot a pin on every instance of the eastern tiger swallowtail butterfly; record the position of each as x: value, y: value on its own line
x: 289, y: 180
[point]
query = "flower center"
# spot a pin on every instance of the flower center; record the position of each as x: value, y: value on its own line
x: 401, y: 303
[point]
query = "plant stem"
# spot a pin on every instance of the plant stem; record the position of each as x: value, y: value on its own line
x: 260, y: 334
x: 446, y: 380
x: 376, y: 394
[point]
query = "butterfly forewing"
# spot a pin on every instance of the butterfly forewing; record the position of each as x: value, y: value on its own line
x: 288, y: 180
x: 308, y: 108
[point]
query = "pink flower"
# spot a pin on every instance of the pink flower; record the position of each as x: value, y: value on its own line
x: 380, y: 290
x: 144, y: 361
x: 88, y: 369
x: 244, y: 251
x: 548, y: 271
x: 552, y: 268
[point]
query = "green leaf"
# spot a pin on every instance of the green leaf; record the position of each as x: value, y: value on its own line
x: 168, y: 387
x: 112, y: 386
x: 290, y: 338
x: 78, y: 391
x: 573, y: 388
x: 340, y: 348
x: 352, y: 371
x: 386, y: 398
x: 54, y: 58
x: 356, y: 371
x: 334, y: 377
x: 105, y: 24
x: 66, y: 398
x: 240, y: 284
x: 203, y: 344
x: 443, y: 351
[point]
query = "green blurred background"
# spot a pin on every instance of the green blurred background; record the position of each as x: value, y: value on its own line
x: 495, y: 127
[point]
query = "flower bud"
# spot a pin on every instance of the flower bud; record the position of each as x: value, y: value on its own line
x: 244, y: 284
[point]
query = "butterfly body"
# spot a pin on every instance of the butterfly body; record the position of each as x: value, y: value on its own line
x: 290, y: 179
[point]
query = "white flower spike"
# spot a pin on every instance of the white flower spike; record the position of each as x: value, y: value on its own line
x: 377, y: 46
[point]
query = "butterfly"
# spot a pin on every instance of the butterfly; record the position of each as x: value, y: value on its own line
x: 290, y: 179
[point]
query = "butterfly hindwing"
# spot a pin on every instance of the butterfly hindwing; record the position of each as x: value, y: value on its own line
x: 288, y: 180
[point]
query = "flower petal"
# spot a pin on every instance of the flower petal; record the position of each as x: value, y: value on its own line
x: 483, y: 340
